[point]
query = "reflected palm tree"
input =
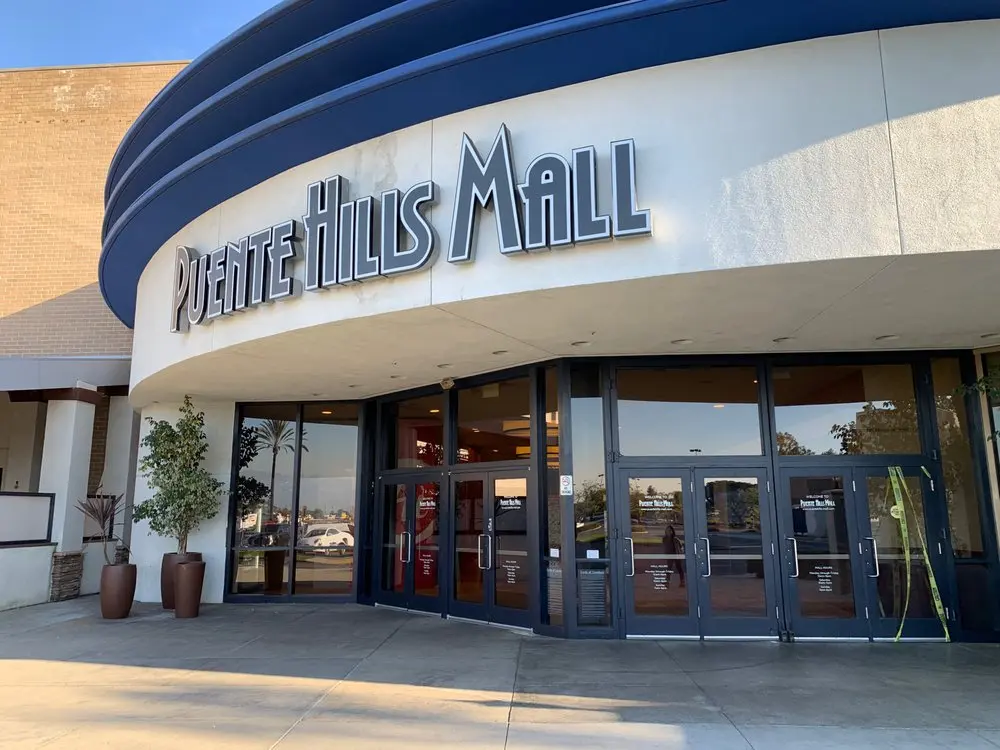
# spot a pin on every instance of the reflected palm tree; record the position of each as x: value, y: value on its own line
x: 277, y: 436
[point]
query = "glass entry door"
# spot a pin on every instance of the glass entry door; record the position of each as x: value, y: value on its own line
x: 737, y: 591
x: 492, y: 561
x: 844, y: 554
x: 823, y: 560
x: 899, y: 542
x: 410, y: 564
x: 697, y: 554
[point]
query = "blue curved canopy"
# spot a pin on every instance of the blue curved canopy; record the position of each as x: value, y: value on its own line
x: 310, y: 77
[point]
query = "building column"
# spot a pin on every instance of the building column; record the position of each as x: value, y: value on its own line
x: 69, y: 430
x: 120, y: 456
x: 24, y: 459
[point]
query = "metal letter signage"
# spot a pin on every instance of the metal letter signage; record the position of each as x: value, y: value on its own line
x: 342, y: 241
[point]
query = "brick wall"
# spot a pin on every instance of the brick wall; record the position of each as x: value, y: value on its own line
x: 98, y: 445
x: 59, y: 129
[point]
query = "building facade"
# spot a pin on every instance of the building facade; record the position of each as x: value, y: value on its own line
x: 652, y: 319
x: 66, y: 427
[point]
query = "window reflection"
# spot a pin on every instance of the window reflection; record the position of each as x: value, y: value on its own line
x: 324, y: 555
x: 418, y: 432
x: 685, y: 412
x: 845, y: 410
x: 264, y: 498
x: 590, y: 497
x: 956, y: 459
x: 494, y: 422
x: 552, y: 520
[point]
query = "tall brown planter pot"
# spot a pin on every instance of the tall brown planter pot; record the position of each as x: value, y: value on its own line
x: 117, y: 590
x: 189, y: 580
x: 274, y: 571
x: 167, y: 573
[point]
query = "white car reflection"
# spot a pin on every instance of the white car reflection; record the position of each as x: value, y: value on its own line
x: 328, y: 539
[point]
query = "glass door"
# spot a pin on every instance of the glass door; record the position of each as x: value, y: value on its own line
x: 900, y: 554
x: 410, y: 560
x: 492, y: 564
x: 822, y: 561
x: 735, y: 571
x: 658, y: 551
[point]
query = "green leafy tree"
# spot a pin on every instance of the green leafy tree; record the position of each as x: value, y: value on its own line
x: 184, y: 492
x: 277, y: 436
x: 251, y: 493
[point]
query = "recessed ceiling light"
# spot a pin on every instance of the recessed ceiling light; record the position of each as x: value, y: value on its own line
x: 444, y: 366
x: 326, y: 412
x: 580, y: 343
x: 782, y: 339
x: 718, y: 406
x: 887, y: 337
x: 395, y: 377
x: 682, y: 341
x: 435, y: 411
x: 475, y: 429
x: 353, y: 385
x: 990, y: 335
x: 498, y: 352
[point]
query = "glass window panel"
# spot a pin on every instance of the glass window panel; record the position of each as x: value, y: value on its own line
x: 845, y: 410
x: 264, y: 495
x: 689, y: 412
x: 419, y: 432
x: 819, y: 524
x: 394, y: 525
x: 512, y: 583
x: 552, y: 520
x: 494, y: 422
x: 961, y: 496
x: 590, y: 497
x: 470, y: 512
x: 656, y: 509
x: 887, y: 531
x: 732, y: 509
x: 427, y: 539
x: 324, y: 557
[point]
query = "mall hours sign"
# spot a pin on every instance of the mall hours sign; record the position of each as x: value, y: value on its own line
x: 343, y: 241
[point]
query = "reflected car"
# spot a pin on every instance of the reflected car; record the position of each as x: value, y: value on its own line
x: 328, y: 540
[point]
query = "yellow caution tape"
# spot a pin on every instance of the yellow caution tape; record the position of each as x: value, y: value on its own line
x: 898, y: 511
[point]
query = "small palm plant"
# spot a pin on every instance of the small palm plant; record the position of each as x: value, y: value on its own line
x: 102, y: 510
x: 277, y: 436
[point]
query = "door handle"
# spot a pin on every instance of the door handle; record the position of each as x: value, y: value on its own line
x: 631, y: 556
x: 399, y: 546
x: 489, y: 551
x: 708, y: 557
x: 795, y: 555
x: 479, y: 551
x: 874, y: 554
x: 409, y: 547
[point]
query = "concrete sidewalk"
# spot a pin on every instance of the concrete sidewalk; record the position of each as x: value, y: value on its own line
x: 297, y: 676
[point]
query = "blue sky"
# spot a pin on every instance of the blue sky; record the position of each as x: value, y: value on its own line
x: 35, y: 33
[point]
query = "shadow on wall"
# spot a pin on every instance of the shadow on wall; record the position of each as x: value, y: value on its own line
x: 77, y: 323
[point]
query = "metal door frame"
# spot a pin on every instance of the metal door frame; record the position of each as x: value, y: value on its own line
x: 630, y: 624
x: 407, y: 599
x: 768, y: 626
x: 812, y: 628
x: 924, y: 628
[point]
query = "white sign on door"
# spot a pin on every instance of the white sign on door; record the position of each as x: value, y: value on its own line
x: 566, y: 485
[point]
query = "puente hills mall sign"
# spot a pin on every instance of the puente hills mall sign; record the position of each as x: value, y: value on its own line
x: 343, y: 241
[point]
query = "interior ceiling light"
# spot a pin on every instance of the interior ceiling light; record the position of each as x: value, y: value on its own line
x: 682, y: 341
x: 395, y: 377
x: 498, y: 352
x: 444, y: 366
x: 718, y: 406
x: 580, y: 343
x: 326, y: 412
x: 435, y: 411
x: 782, y: 339
x: 887, y: 337
x: 995, y: 335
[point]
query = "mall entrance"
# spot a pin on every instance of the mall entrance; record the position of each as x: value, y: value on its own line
x: 835, y: 553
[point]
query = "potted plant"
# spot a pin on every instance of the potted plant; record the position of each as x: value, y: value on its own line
x: 184, y: 495
x: 117, y: 578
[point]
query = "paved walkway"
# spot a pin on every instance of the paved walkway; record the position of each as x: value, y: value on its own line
x: 354, y: 677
